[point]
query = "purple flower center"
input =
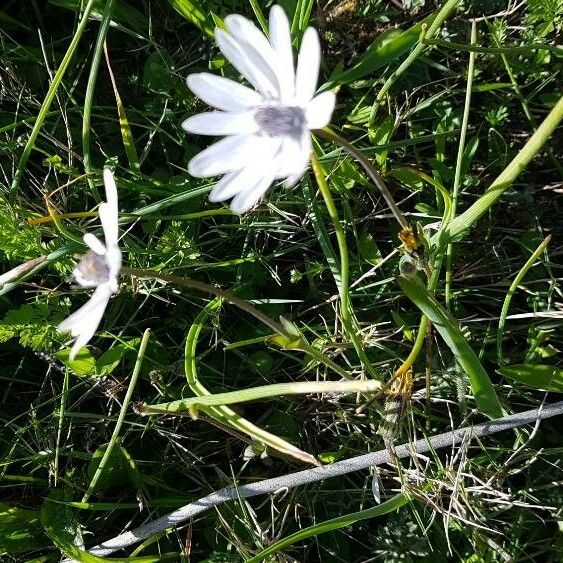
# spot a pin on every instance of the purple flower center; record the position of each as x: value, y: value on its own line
x: 93, y: 268
x: 278, y: 121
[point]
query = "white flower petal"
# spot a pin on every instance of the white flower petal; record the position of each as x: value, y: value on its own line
x: 280, y: 38
x: 222, y: 93
x: 94, y: 244
x: 255, y: 45
x: 308, y: 64
x: 319, y: 110
x: 113, y: 258
x: 229, y: 185
x: 294, y: 157
x: 221, y: 123
x: 245, y: 178
x: 248, y: 198
x: 108, y: 210
x: 230, y: 154
x: 84, y: 322
x: 254, y: 69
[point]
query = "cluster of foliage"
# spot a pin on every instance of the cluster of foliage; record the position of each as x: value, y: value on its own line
x: 122, y: 103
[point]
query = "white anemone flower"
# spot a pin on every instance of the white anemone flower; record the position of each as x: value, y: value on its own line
x: 98, y: 268
x: 268, y: 128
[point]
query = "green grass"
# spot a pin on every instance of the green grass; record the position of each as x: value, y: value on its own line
x: 304, y: 307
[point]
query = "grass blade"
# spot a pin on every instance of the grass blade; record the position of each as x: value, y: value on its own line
x: 50, y: 96
x: 390, y: 505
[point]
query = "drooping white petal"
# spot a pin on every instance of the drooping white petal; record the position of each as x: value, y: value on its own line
x: 308, y: 64
x: 250, y: 196
x: 245, y: 178
x: 84, y: 322
x: 222, y: 93
x: 229, y: 185
x: 94, y: 244
x: 108, y: 210
x: 280, y: 38
x: 295, y: 159
x: 319, y: 110
x: 255, y: 70
x: 221, y: 123
x: 113, y: 258
x: 230, y: 154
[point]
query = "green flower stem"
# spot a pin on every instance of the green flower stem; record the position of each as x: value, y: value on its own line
x: 89, y: 96
x: 348, y: 319
x: 370, y: 170
x: 51, y: 95
x: 459, y: 162
x: 459, y: 227
x: 115, y: 435
x: 441, y: 16
x: 262, y: 392
x: 512, y: 289
x: 288, y: 341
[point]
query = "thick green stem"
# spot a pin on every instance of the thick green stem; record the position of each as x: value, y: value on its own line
x: 262, y: 392
x: 459, y: 226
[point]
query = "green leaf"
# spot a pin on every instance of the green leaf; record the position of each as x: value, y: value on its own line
x: 483, y: 390
x: 20, y: 530
x: 386, y: 48
x: 194, y: 12
x: 60, y: 523
x: 368, y: 249
x: 83, y: 364
x: 120, y: 469
x: 538, y: 376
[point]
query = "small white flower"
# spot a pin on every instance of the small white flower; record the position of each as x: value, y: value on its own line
x: 98, y: 268
x: 268, y: 129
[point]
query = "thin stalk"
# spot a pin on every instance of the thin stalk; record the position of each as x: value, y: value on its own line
x: 348, y: 319
x: 459, y: 162
x: 51, y: 93
x: 223, y: 414
x: 441, y: 16
x: 89, y: 95
x: 262, y: 392
x: 115, y: 435
x: 371, y: 172
x: 62, y: 408
x: 512, y: 289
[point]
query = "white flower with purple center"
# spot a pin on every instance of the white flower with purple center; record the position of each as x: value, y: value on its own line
x: 98, y: 268
x: 267, y: 129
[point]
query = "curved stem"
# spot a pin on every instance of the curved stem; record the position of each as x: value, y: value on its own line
x: 372, y: 173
